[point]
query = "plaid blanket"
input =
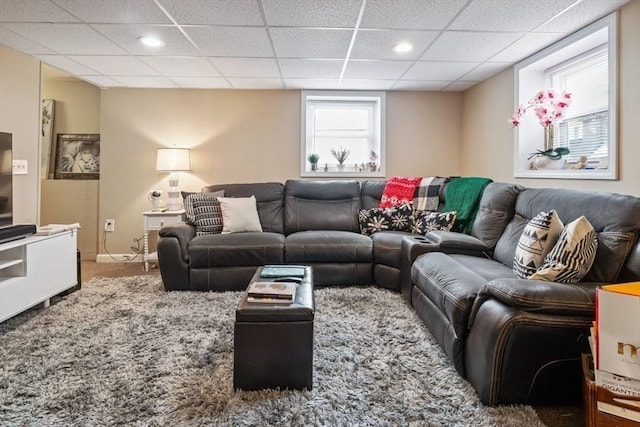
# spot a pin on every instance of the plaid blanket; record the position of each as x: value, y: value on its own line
x: 428, y: 197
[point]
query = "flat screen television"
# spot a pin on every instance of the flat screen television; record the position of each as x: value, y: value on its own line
x: 6, y: 180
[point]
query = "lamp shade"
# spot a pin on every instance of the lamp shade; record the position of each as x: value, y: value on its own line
x: 173, y: 160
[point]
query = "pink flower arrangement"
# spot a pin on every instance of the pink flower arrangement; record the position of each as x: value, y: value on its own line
x: 549, y: 106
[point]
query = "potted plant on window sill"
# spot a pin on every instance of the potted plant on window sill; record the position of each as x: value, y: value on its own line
x: 341, y: 155
x: 313, y: 159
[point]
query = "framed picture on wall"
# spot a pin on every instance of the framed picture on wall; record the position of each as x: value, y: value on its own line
x: 77, y: 156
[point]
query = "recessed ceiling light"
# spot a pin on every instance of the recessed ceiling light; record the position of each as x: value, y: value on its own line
x: 151, y: 41
x: 403, y: 47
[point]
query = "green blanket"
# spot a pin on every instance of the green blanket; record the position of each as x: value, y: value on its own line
x: 463, y: 196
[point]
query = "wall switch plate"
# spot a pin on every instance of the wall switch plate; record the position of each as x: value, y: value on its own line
x: 20, y: 167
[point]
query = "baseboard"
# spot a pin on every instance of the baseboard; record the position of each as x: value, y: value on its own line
x: 118, y: 258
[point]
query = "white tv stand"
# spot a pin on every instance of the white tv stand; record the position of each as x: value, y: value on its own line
x: 34, y: 269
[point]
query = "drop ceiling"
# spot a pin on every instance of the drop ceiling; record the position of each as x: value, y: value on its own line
x: 290, y: 44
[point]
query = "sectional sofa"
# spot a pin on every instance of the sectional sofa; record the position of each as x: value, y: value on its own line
x: 515, y: 340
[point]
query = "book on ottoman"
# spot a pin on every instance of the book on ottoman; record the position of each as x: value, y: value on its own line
x: 281, y: 291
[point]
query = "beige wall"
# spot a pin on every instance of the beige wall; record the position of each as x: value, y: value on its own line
x: 77, y: 110
x: 487, y: 138
x: 244, y: 136
x: 20, y: 115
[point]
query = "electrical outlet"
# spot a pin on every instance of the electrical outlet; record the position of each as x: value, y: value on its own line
x: 110, y: 225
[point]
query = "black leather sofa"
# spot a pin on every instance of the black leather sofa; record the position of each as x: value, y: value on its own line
x: 516, y: 341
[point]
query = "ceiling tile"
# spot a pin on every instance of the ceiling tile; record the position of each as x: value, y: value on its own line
x: 580, y: 15
x: 66, y: 64
x: 506, y: 15
x: 312, y: 83
x: 19, y: 43
x: 247, y: 67
x: 33, y: 11
x: 102, y: 81
x: 376, y: 70
x: 526, y: 46
x: 115, y: 65
x: 178, y: 66
x: 410, y: 14
x: 126, y: 36
x: 459, y: 86
x: 311, y: 43
x: 231, y: 41
x: 71, y: 39
x: 361, y: 84
x: 438, y: 70
x: 202, y: 82
x: 312, y: 13
x: 378, y: 44
x: 486, y: 70
x: 311, y: 68
x: 252, y: 83
x: 116, y: 11
x: 219, y: 12
x: 468, y: 46
x: 432, y: 85
x: 150, y: 82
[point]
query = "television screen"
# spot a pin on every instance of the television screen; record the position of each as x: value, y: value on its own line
x: 6, y: 180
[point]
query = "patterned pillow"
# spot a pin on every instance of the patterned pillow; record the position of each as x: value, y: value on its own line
x: 398, y: 218
x: 188, y: 203
x: 572, y: 256
x: 207, y: 216
x: 537, y: 239
x: 398, y: 191
x: 426, y: 221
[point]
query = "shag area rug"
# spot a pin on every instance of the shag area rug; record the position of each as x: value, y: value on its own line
x: 122, y: 351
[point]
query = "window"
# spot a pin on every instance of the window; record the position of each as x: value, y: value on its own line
x: 583, y: 64
x: 345, y: 132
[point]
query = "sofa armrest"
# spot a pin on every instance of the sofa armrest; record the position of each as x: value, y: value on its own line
x: 563, y: 299
x: 452, y: 242
x: 183, y: 232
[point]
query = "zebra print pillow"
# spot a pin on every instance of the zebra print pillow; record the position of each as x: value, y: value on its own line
x: 572, y: 256
x: 207, y: 215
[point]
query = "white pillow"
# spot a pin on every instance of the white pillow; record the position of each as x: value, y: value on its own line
x: 537, y: 239
x: 572, y: 256
x: 239, y: 214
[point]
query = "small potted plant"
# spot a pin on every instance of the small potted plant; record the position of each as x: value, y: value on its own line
x: 341, y: 156
x: 313, y: 159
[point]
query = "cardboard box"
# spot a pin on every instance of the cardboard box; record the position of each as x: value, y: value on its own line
x: 618, y: 334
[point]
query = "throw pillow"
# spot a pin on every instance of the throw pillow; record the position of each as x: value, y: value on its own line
x: 426, y: 221
x: 188, y: 199
x: 207, y: 216
x: 537, y: 239
x: 398, y: 218
x: 398, y: 191
x: 239, y: 214
x: 572, y: 256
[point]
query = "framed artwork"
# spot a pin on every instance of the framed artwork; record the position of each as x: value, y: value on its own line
x: 46, y: 137
x: 77, y: 156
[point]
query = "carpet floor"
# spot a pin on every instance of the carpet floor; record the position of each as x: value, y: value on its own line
x: 121, y: 351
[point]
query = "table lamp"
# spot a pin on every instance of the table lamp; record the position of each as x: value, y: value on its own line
x: 173, y: 160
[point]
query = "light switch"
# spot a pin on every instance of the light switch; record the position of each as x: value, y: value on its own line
x: 20, y: 167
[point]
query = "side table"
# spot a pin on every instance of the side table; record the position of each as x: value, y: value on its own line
x: 155, y: 220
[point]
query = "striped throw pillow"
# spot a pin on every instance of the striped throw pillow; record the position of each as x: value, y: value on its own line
x: 537, y: 239
x: 208, y: 216
x: 572, y: 256
x: 189, y: 198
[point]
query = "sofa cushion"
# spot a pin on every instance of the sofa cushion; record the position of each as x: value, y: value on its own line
x: 537, y: 239
x: 572, y: 256
x: 327, y: 246
x: 399, y: 218
x: 236, y: 249
x: 426, y: 222
x: 269, y: 199
x: 189, y: 198
x: 239, y: 214
x: 398, y: 191
x: 207, y: 216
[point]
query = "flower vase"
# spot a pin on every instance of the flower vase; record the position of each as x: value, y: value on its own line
x: 548, y: 137
x: 340, y: 167
x: 314, y: 167
x: 542, y: 162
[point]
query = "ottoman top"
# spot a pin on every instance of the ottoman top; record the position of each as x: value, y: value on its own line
x: 302, y: 308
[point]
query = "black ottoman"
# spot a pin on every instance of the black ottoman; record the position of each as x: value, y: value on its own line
x: 273, y: 343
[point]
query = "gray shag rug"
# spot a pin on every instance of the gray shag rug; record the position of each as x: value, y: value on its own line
x: 121, y: 351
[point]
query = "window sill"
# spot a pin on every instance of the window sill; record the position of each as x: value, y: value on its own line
x: 346, y: 174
